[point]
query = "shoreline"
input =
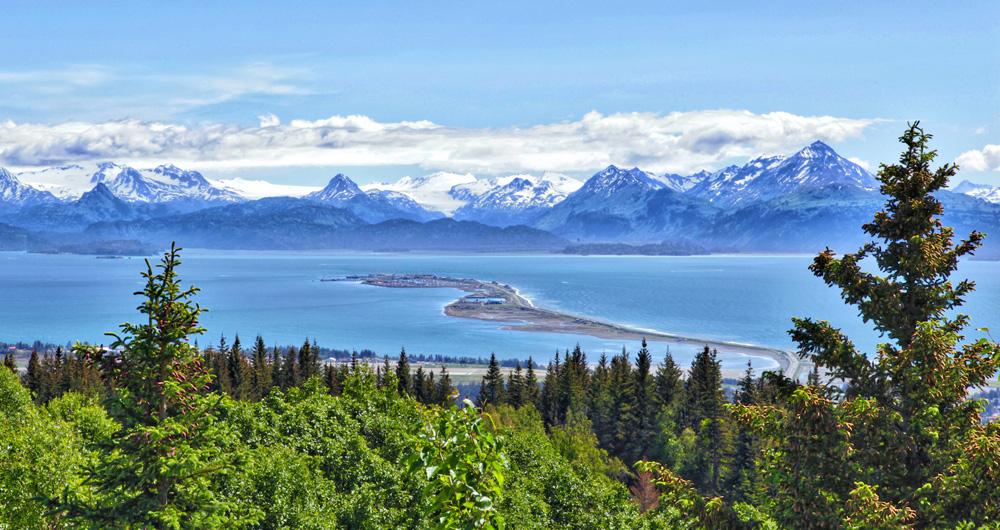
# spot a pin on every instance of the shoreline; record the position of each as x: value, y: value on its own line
x: 495, y: 302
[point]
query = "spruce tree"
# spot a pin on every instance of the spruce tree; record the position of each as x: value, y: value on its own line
x: 740, y: 475
x: 242, y: 372
x: 902, y: 437
x: 573, y: 384
x: 444, y: 393
x: 703, y: 413
x: 384, y: 372
x: 156, y: 469
x: 8, y: 362
x: 330, y: 380
x: 429, y: 392
x: 262, y: 376
x: 668, y: 382
x: 403, y: 381
x: 290, y: 368
x: 550, y: 392
x: 531, y: 390
x: 418, y: 385
x: 309, y: 364
x: 621, y: 390
x: 491, y: 389
x: 274, y: 366
x: 646, y: 409
x: 602, y: 412
x: 33, y: 376
x: 515, y: 386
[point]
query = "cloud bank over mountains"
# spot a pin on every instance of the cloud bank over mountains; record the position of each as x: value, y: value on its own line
x: 985, y: 159
x: 680, y: 142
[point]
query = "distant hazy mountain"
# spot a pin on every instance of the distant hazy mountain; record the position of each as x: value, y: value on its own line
x: 980, y: 191
x: 12, y: 237
x: 449, y: 234
x: 15, y: 195
x: 278, y: 223
x: 96, y: 205
x: 373, y: 206
x: 287, y: 223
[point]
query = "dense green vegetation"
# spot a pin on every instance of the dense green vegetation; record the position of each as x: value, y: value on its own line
x: 158, y: 433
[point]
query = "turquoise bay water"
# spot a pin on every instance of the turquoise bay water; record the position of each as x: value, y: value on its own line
x: 746, y: 299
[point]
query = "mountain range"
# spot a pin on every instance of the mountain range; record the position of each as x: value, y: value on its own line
x: 793, y: 203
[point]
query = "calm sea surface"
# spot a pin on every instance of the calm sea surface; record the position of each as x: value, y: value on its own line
x: 747, y: 299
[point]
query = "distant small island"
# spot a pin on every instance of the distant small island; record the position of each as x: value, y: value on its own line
x: 665, y: 248
x: 496, y: 302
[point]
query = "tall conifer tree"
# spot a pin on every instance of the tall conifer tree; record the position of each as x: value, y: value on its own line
x: 403, y: 381
x: 155, y: 471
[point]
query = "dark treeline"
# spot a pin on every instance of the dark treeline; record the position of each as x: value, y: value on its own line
x: 240, y: 372
x: 641, y: 411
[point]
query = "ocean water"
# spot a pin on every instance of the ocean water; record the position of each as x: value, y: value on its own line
x: 745, y: 299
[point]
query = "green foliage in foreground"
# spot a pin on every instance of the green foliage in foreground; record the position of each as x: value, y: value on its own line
x: 306, y: 459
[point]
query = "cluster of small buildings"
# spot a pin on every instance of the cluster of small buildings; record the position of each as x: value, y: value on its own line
x: 484, y: 299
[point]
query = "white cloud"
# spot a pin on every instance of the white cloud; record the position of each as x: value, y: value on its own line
x: 675, y: 142
x: 269, y: 120
x: 985, y: 159
x: 861, y: 162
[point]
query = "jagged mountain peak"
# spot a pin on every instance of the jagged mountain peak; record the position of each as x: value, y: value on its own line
x: 340, y: 188
x: 373, y: 205
x: 7, y: 178
x: 106, y: 171
x: 818, y: 148
x: 816, y: 165
x: 980, y: 191
x: 181, y: 176
x: 612, y: 179
x: 101, y: 195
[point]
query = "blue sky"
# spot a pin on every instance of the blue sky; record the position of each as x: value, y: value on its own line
x: 513, y: 67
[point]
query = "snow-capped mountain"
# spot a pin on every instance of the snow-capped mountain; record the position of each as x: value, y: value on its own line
x: 160, y: 185
x: 609, y: 196
x: 560, y: 184
x: 980, y: 191
x: 431, y: 191
x: 614, y: 181
x: 373, y: 206
x: 449, y: 192
x: 15, y: 195
x: 683, y: 183
x: 340, y: 189
x: 515, y: 202
x: 625, y: 204
x: 67, y: 182
x: 165, y: 184
x: 814, y: 166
